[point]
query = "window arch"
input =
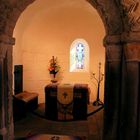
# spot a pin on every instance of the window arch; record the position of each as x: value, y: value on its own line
x: 79, y: 56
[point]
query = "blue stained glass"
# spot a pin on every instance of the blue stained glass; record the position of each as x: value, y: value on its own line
x: 80, y: 56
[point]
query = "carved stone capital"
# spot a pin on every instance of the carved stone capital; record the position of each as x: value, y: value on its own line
x: 132, y: 52
x: 131, y: 10
x: 131, y: 37
x: 6, y: 39
x: 112, y: 39
x: 113, y: 53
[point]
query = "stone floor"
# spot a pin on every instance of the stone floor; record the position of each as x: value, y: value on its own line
x: 33, y: 124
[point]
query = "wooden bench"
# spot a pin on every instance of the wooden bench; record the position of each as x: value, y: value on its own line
x: 23, y: 102
x: 31, y: 99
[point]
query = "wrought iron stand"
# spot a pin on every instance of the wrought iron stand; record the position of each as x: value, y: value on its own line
x: 98, y: 102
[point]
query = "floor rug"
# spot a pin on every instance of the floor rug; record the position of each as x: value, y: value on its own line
x: 53, y: 137
x: 40, y: 111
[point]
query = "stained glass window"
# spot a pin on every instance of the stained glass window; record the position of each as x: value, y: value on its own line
x: 79, y: 56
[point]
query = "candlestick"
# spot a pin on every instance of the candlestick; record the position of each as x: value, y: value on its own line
x: 98, y: 102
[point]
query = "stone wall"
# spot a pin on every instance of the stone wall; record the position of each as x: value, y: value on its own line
x: 122, y: 105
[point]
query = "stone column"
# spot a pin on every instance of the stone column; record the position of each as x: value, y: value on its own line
x: 130, y: 105
x: 9, y: 95
x: 113, y: 69
x: 3, y: 130
x: 6, y: 111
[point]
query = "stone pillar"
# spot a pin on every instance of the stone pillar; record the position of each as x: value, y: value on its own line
x: 130, y: 98
x: 6, y: 111
x: 3, y: 130
x: 9, y: 67
x: 130, y: 105
x: 113, y: 70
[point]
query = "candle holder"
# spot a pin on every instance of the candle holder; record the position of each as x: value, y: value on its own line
x: 98, y: 102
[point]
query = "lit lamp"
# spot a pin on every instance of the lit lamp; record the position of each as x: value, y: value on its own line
x: 98, y: 102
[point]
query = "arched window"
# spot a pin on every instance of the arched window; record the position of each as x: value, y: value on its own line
x: 79, y: 56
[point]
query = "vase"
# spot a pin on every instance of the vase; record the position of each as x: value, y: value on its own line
x: 53, y: 78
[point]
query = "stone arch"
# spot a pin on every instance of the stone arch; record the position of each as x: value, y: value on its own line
x: 12, y: 11
x: 118, y: 31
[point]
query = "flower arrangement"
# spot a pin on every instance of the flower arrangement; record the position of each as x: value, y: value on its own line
x: 53, y: 67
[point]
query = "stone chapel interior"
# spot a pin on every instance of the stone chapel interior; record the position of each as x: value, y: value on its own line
x: 50, y: 28
x: 89, y: 41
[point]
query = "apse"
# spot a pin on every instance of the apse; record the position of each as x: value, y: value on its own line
x: 48, y: 28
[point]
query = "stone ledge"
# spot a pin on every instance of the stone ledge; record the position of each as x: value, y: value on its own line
x: 112, y: 39
x: 4, y: 38
x: 130, y: 37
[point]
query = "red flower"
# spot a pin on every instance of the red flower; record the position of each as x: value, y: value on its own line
x: 54, y: 67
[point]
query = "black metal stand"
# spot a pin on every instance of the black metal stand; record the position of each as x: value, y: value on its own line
x: 98, y: 102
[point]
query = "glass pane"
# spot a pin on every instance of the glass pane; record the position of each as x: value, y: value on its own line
x: 80, y: 56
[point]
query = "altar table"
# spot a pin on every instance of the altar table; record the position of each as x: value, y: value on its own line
x: 80, y: 101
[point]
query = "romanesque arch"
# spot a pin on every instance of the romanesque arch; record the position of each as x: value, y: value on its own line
x: 122, y: 42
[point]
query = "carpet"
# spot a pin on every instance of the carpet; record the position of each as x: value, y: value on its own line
x: 40, y: 112
x: 55, y: 137
x: 52, y: 137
